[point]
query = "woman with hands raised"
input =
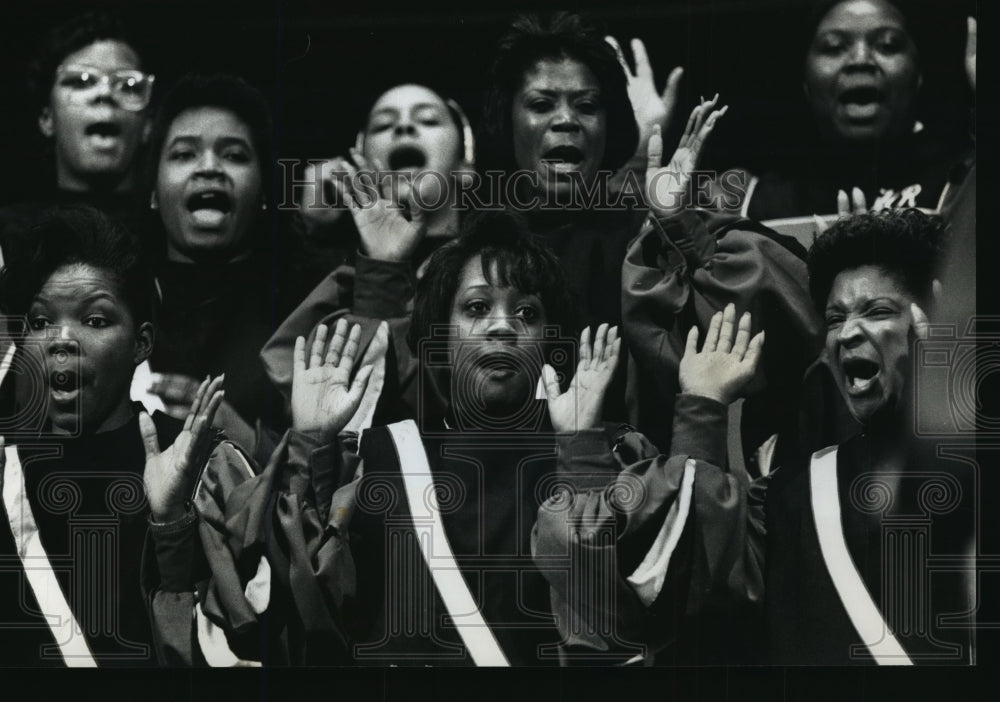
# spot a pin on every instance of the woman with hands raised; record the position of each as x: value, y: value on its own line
x: 784, y: 566
x: 320, y: 525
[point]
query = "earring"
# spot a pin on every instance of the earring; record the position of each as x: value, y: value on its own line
x: 263, y: 205
x: 153, y: 205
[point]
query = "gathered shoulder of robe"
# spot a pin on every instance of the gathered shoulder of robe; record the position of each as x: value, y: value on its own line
x: 683, y: 269
x: 214, y: 319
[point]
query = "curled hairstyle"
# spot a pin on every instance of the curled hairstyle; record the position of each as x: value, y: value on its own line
x: 511, y: 257
x: 71, y: 36
x: 561, y: 35
x: 907, y: 244
x: 78, y: 234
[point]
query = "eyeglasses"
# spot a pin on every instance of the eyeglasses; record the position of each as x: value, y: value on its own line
x: 132, y: 89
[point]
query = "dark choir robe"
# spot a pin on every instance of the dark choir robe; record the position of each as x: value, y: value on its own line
x: 590, y: 245
x: 89, y: 504
x: 706, y: 545
x: 909, y: 537
x: 909, y: 172
x: 488, y: 495
x: 214, y: 319
x: 346, y: 582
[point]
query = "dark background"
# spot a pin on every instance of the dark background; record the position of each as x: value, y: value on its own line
x: 321, y: 64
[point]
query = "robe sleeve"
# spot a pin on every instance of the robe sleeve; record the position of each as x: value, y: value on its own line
x: 680, y: 271
x: 261, y: 576
x: 658, y: 538
x: 368, y: 294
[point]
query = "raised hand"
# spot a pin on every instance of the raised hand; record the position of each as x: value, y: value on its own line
x: 170, y: 475
x: 855, y: 204
x: 667, y: 189
x: 651, y: 109
x: 580, y: 406
x: 386, y: 233
x: 323, y: 397
x: 724, y: 367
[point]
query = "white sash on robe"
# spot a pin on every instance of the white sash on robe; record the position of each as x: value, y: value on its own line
x: 861, y: 608
x: 419, y: 488
x: 38, y: 569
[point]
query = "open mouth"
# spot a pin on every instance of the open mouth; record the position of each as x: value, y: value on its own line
x: 407, y: 157
x: 565, y: 155
x: 861, y: 102
x: 103, y: 129
x: 64, y: 385
x: 103, y: 134
x: 860, y: 374
x: 209, y: 207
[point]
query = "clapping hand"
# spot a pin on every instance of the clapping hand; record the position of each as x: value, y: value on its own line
x: 170, y: 475
x: 667, y: 188
x: 580, y: 406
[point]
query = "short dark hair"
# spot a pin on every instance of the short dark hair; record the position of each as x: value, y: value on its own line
x: 220, y: 90
x: 521, y: 259
x: 907, y: 244
x: 61, y: 41
x: 77, y: 234
x: 562, y: 34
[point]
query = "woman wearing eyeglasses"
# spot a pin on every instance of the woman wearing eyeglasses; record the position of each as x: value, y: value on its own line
x: 91, y: 94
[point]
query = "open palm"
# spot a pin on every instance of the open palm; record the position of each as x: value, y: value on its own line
x: 323, y: 396
x: 728, y: 359
x: 650, y: 107
x: 580, y: 406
